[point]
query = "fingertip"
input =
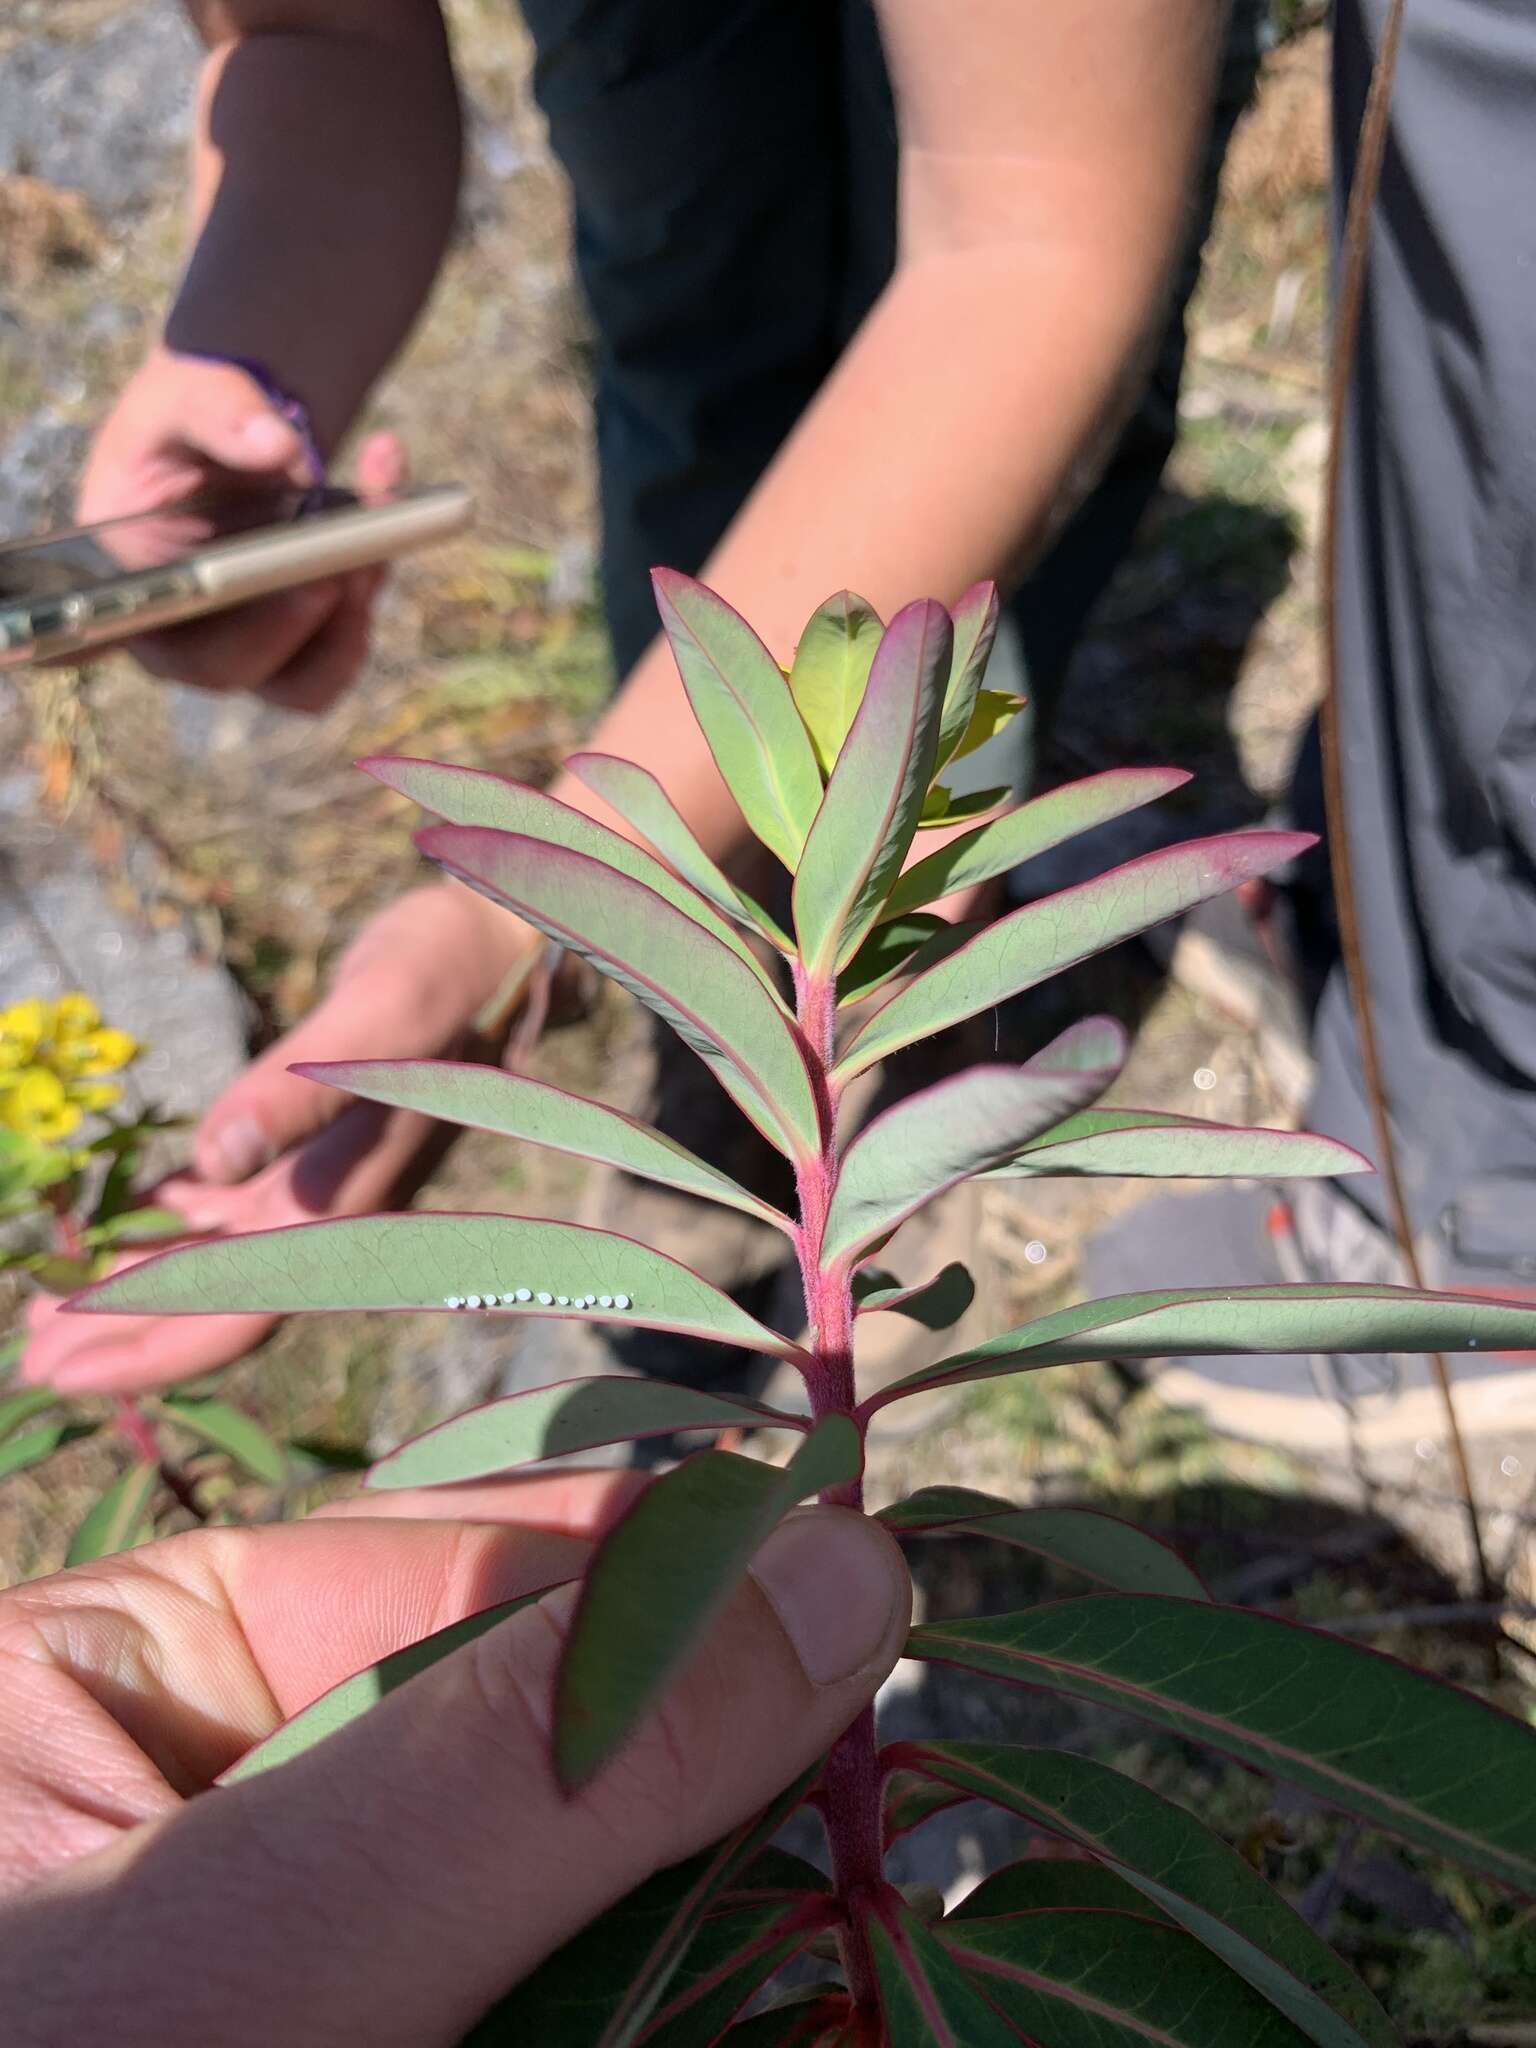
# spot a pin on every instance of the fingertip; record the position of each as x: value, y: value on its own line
x: 232, y: 1149
x: 840, y: 1590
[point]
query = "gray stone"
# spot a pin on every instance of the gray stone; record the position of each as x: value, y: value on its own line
x: 108, y: 116
x: 60, y: 928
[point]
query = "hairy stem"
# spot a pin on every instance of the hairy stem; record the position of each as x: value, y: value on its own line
x: 851, y: 1785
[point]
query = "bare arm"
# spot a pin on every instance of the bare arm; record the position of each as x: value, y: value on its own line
x: 325, y: 173
x: 1046, y: 150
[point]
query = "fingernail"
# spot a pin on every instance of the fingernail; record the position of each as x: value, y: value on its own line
x: 236, y: 1151
x: 833, y: 1578
x: 268, y: 438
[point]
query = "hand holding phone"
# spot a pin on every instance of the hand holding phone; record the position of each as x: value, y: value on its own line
x: 187, y: 428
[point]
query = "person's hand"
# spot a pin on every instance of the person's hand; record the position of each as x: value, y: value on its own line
x: 277, y: 1149
x: 184, y: 426
x: 391, y: 1884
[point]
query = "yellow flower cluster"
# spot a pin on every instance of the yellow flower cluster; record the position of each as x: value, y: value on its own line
x: 52, y: 1055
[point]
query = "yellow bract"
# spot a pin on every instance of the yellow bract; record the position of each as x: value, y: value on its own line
x: 52, y: 1054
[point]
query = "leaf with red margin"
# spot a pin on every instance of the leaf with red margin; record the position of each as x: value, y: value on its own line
x: 864, y: 827
x: 417, y: 1261
x: 712, y: 1000
x: 975, y: 620
x: 475, y: 797
x: 1033, y: 828
x: 926, y: 1999
x: 1219, y: 1322
x: 940, y: 1136
x: 1041, y: 939
x: 604, y: 1985
x: 1086, y: 1979
x: 937, y: 1304
x: 1186, y: 1872
x: 831, y: 668
x: 637, y: 795
x: 742, y: 702
x: 516, y: 1106
x: 1115, y: 1553
x: 1143, y: 1142
x: 554, y: 1421
x: 1402, y: 1750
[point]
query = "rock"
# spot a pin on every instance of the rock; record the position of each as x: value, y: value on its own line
x: 60, y: 929
x: 107, y: 117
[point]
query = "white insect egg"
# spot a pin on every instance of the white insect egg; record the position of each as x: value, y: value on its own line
x: 621, y: 1301
x: 523, y: 1294
x: 508, y: 1298
x: 562, y: 1301
x: 544, y: 1299
x: 453, y: 1301
x: 471, y: 1301
x: 605, y: 1301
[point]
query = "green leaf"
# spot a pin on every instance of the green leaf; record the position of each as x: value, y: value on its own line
x: 915, y: 944
x: 865, y: 825
x: 1031, y: 944
x: 237, y: 1435
x: 1145, y: 1142
x: 661, y: 1575
x: 944, y: 806
x: 424, y: 1259
x: 742, y: 702
x: 120, y: 1520
x: 818, y: 2016
x: 1111, y: 1980
x: 1046, y: 1884
x: 347, y: 1702
x: 11, y: 1349
x: 486, y: 1099
x: 603, y: 1986
x: 937, y: 1304
x: 927, y: 1999
x: 473, y: 797
x: 1169, y: 1857
x: 16, y: 1410
x: 636, y: 795
x: 942, y: 1135
x: 550, y: 1422
x: 1402, y: 1750
x: 136, y: 1226
x: 1100, y: 1546
x: 717, y: 1005
x: 1219, y: 1322
x: 885, y: 953
x: 732, y: 1957
x: 975, y: 624
x: 830, y: 669
x: 30, y: 1447
x: 1032, y: 828
x: 993, y: 712
x: 319, y: 1454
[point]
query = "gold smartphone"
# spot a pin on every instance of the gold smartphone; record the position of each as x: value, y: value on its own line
x: 70, y: 591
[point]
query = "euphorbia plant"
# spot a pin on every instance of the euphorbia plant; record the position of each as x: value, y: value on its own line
x: 1167, y: 1935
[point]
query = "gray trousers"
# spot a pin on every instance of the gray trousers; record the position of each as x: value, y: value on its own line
x: 1437, y: 685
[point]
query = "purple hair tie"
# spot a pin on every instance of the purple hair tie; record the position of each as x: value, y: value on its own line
x: 284, y: 402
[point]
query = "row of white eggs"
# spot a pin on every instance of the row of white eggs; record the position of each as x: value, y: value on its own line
x: 523, y: 1297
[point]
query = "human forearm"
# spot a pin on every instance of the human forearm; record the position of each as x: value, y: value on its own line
x: 966, y: 416
x: 325, y: 172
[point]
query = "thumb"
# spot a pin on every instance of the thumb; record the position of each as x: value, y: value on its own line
x: 225, y: 414
x: 389, y: 1885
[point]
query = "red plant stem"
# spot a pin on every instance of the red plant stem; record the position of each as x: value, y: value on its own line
x: 851, y: 1799
x: 135, y: 1425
